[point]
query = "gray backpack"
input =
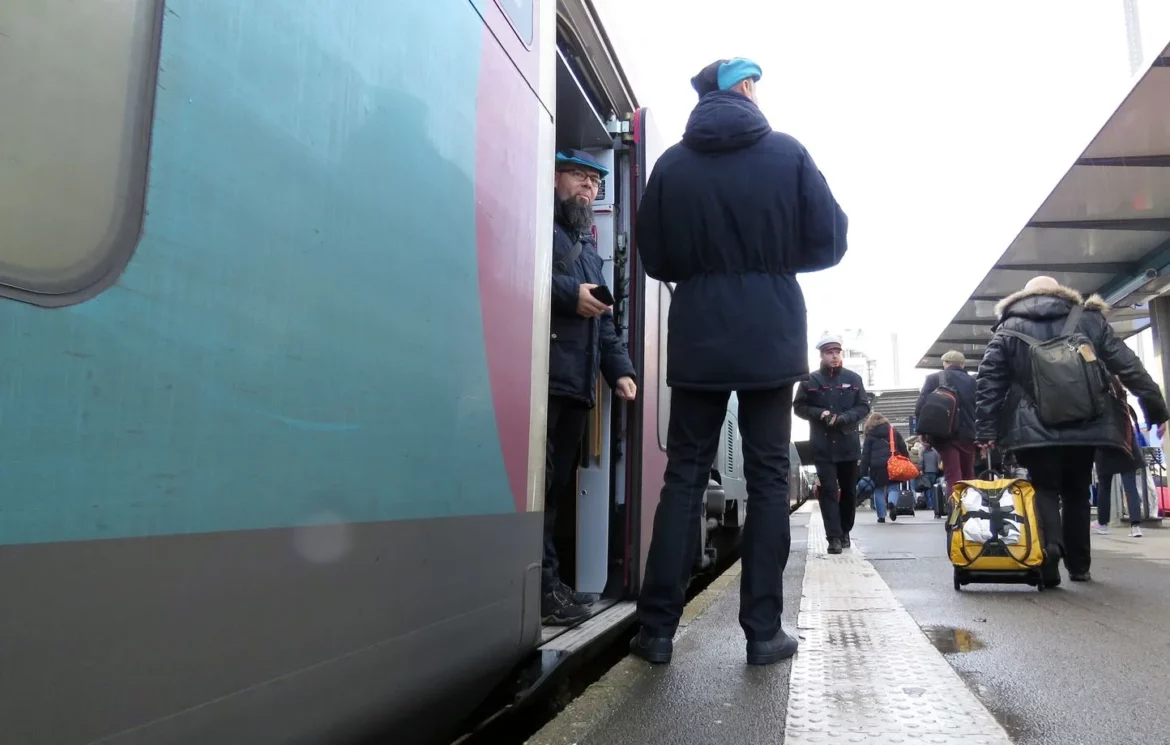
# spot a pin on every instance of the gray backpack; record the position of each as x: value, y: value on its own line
x: 1067, y: 382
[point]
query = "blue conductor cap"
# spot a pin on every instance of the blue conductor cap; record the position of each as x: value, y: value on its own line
x: 568, y: 158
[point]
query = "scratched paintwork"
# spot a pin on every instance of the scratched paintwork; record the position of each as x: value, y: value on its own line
x: 299, y: 333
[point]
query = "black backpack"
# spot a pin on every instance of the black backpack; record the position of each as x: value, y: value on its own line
x: 939, y: 416
x: 1067, y: 382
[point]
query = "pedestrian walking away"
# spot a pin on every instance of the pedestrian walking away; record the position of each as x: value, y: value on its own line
x: 1055, y: 422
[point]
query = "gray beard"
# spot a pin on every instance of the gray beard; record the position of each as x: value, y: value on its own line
x: 576, y: 217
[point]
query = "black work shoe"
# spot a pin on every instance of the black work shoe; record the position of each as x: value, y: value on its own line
x: 780, y: 647
x: 558, y: 609
x: 656, y: 650
x: 1080, y: 576
x: 845, y: 542
x: 578, y: 598
x: 834, y: 545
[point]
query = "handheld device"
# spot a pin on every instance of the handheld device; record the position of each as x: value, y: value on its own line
x: 602, y: 293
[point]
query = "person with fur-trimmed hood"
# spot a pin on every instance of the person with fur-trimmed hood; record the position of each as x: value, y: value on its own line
x: 1059, y: 459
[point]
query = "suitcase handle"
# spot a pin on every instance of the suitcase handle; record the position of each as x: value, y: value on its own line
x: 990, y: 474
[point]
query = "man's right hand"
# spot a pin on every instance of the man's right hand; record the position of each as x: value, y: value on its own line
x: 587, y: 305
x: 825, y: 415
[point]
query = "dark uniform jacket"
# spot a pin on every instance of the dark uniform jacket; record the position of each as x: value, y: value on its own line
x: 732, y: 214
x: 580, y: 347
x: 838, y: 391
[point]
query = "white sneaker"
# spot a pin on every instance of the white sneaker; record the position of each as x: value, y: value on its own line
x: 1135, y: 531
x: 1101, y: 529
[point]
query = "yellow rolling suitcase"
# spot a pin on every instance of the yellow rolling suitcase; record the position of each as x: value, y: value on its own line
x: 994, y: 534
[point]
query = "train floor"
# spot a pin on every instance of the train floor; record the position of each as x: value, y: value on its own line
x: 891, y: 653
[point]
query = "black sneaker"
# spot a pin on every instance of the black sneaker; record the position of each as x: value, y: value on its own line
x: 845, y: 542
x: 1080, y: 576
x: 578, y: 598
x: 558, y: 609
x: 893, y: 513
x: 881, y: 519
x: 780, y: 647
x: 834, y: 545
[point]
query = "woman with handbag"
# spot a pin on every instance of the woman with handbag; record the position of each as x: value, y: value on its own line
x: 1126, y: 463
x: 885, y: 459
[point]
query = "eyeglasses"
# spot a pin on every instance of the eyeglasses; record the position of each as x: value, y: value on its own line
x: 582, y: 175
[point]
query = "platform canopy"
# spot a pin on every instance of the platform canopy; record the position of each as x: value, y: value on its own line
x: 1104, y: 229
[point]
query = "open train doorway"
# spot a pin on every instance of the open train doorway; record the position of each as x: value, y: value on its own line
x: 589, y: 508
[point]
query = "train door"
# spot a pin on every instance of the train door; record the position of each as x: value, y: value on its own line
x: 649, y: 306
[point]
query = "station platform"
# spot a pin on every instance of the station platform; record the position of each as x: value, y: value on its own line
x: 891, y: 653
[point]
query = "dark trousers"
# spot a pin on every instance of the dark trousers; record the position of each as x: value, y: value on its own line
x: 566, y: 425
x: 1063, y: 475
x: 838, y: 500
x: 692, y: 441
x: 958, y: 459
x: 1129, y: 485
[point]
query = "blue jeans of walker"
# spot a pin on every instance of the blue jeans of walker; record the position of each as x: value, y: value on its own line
x: 1105, y: 498
x: 884, y: 495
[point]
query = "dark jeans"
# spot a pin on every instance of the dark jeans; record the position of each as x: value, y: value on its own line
x: 1063, y: 474
x: 932, y: 492
x: 1105, y: 497
x: 566, y: 425
x: 838, y: 500
x: 958, y: 459
x: 692, y: 441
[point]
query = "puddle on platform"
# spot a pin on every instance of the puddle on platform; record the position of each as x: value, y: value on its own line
x: 951, y: 641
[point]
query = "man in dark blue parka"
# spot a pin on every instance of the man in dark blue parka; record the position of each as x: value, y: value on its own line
x: 583, y: 342
x: 731, y: 214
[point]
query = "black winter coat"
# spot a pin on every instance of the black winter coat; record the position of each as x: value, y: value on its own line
x: 579, y: 347
x: 875, y: 454
x: 732, y: 214
x: 840, y: 392
x: 964, y: 385
x: 1005, y: 410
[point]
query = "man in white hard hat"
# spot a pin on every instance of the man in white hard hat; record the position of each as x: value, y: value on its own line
x: 834, y: 402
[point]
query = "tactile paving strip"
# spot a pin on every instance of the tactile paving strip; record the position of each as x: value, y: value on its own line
x: 865, y: 672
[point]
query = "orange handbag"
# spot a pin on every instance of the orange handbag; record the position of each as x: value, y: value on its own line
x: 899, y: 467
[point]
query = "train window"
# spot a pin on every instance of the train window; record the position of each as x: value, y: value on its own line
x: 665, y: 292
x: 77, y: 85
x: 519, y: 12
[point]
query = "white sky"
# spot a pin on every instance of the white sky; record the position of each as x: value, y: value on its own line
x: 941, y: 125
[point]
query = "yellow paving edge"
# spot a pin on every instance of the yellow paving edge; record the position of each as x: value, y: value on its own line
x: 599, y: 701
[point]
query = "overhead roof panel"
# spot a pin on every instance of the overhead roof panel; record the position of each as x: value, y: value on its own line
x: 1001, y: 281
x: 972, y: 333
x: 1109, y: 193
x: 1140, y: 127
x: 1066, y: 246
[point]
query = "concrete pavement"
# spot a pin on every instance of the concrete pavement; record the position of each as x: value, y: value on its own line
x: 1081, y: 663
x: 890, y: 652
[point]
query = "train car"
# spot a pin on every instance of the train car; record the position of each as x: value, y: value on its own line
x: 274, y: 279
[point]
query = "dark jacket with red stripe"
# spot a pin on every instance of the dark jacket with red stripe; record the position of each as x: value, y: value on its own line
x: 841, y: 392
